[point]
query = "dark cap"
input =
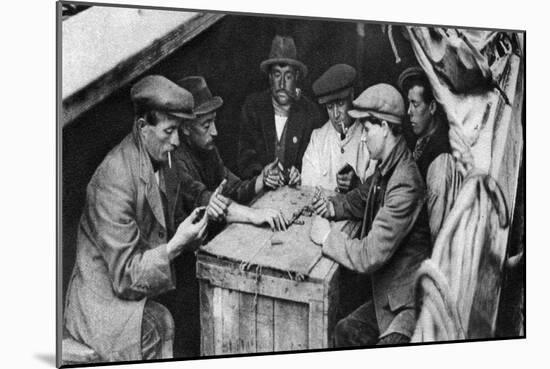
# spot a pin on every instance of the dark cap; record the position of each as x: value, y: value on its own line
x: 204, y: 101
x: 409, y: 73
x: 382, y: 101
x: 336, y: 83
x: 283, y: 51
x: 159, y: 93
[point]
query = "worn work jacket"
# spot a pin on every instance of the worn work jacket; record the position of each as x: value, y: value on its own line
x: 395, y: 238
x: 121, y: 257
x: 258, y: 134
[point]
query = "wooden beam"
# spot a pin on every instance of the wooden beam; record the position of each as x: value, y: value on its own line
x: 104, y: 48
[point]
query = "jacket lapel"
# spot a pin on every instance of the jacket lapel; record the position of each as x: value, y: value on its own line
x: 152, y: 191
x: 294, y: 133
x: 268, y: 125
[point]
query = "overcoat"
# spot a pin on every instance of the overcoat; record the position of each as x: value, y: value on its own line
x: 121, y: 257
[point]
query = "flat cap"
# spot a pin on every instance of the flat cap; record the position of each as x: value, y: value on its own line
x: 159, y: 93
x: 409, y: 73
x: 336, y: 83
x: 382, y: 101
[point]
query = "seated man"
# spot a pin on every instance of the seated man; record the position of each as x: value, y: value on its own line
x: 277, y: 123
x: 124, y: 252
x: 394, y: 238
x: 432, y: 150
x: 337, y: 145
x: 200, y: 172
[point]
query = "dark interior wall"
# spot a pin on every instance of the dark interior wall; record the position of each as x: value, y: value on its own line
x: 228, y: 55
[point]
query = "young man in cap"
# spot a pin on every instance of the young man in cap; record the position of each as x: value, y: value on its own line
x: 124, y: 249
x: 432, y: 150
x: 336, y: 158
x: 201, y: 171
x: 277, y: 123
x: 394, y: 237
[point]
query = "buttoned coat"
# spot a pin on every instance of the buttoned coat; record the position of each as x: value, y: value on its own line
x: 394, y: 242
x: 121, y: 257
x: 258, y: 134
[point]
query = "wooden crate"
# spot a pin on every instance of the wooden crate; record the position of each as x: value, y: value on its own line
x: 243, y: 312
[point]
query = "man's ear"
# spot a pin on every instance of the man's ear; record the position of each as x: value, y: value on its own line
x: 142, y: 123
x: 386, y: 128
x: 184, y: 128
x: 433, y: 107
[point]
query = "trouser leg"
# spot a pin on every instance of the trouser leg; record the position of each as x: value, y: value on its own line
x: 394, y: 339
x: 360, y: 328
x: 157, y: 332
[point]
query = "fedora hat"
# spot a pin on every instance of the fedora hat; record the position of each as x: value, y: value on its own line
x: 204, y: 101
x: 283, y: 51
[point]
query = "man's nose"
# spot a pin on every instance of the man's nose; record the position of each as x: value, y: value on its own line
x: 175, y: 139
x: 409, y: 110
x: 281, y: 83
x: 213, y: 130
x: 335, y: 112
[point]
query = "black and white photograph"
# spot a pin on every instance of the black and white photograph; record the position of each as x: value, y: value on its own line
x: 234, y: 184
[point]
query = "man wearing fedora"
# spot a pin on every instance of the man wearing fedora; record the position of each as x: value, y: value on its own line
x: 431, y: 149
x: 276, y: 124
x: 201, y: 172
x: 394, y: 238
x: 336, y: 157
x: 127, y: 239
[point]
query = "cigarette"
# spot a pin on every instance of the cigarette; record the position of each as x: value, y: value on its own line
x: 169, y: 160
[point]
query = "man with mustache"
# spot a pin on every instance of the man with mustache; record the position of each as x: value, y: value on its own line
x: 336, y: 157
x: 432, y: 150
x: 200, y: 172
x: 127, y: 240
x: 277, y: 123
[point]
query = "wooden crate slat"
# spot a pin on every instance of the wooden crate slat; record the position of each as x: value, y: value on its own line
x: 218, y: 319
x: 290, y: 326
x: 206, y: 318
x: 264, y: 324
x: 230, y: 321
x: 317, y: 324
x: 247, y: 322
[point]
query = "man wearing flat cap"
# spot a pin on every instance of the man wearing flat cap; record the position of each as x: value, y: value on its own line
x: 276, y: 124
x: 431, y: 149
x: 201, y: 172
x: 127, y: 239
x: 394, y: 237
x: 336, y: 158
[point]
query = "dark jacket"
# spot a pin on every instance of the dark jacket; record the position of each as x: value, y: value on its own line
x: 395, y: 237
x: 257, y: 133
x: 438, y: 144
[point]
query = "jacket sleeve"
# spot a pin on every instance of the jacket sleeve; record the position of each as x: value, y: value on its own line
x: 241, y: 191
x: 352, y: 204
x: 392, y: 223
x: 193, y: 194
x: 137, y: 268
x: 249, y: 138
x: 310, y: 164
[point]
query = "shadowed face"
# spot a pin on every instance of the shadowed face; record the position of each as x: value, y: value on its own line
x: 161, y: 138
x: 201, y: 131
x: 338, y: 113
x: 420, y: 112
x: 282, y: 79
x: 375, y: 137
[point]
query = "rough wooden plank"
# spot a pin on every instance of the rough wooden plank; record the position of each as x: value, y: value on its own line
x: 247, y: 323
x: 264, y: 324
x: 230, y: 322
x: 217, y: 313
x: 266, y: 285
x: 317, y: 325
x: 332, y: 300
x: 290, y: 326
x: 105, y: 48
x: 206, y: 318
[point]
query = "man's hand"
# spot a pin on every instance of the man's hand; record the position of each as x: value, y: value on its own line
x: 218, y: 204
x: 295, y: 177
x: 190, y: 233
x: 346, y: 180
x: 272, y: 175
x: 323, y: 207
x: 274, y: 218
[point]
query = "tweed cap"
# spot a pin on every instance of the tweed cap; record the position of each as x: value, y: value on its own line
x: 283, y: 51
x: 336, y: 83
x: 407, y: 74
x: 204, y: 101
x: 159, y: 93
x: 382, y: 101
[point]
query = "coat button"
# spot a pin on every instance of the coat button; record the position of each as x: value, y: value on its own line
x: 342, y: 150
x: 161, y: 234
x: 295, y: 139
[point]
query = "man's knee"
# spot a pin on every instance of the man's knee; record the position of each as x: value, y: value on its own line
x: 157, y: 331
x: 394, y: 339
